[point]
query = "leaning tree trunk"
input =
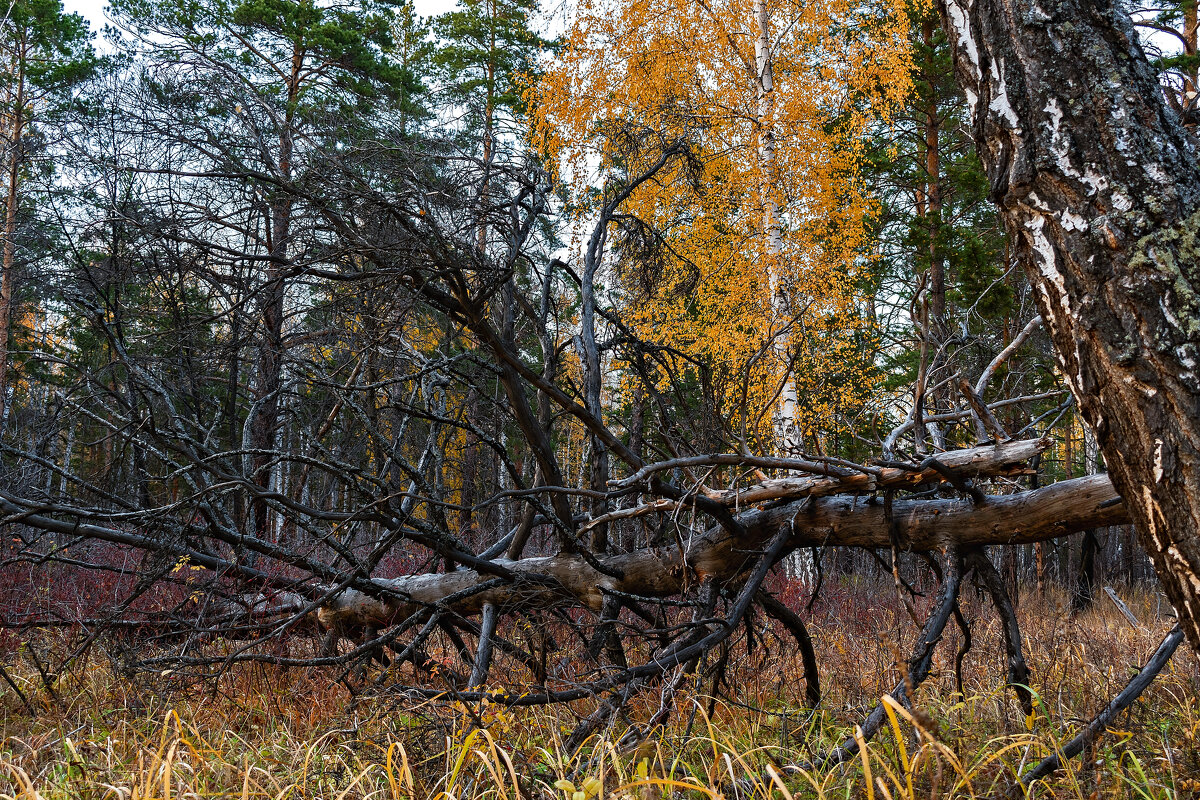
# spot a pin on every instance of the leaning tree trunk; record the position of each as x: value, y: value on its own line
x: 1099, y: 187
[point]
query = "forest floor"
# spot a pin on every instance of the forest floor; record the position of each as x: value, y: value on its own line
x: 267, y: 732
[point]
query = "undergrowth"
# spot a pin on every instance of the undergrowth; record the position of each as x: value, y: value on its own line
x: 269, y: 732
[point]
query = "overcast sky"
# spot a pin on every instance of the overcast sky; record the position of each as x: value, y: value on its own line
x: 94, y: 9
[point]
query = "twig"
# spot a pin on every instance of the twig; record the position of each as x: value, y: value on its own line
x: 986, y: 424
x: 1017, y: 341
x: 1124, y: 609
x: 24, y: 700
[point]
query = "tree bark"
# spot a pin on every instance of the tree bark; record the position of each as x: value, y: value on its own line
x: 264, y: 418
x: 1098, y: 185
x: 919, y: 525
x: 933, y: 197
x: 10, y: 228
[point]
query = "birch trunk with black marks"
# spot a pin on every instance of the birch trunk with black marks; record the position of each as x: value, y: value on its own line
x: 1099, y: 186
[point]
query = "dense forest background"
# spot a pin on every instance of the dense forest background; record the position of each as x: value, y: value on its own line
x: 463, y: 355
x: 188, y: 213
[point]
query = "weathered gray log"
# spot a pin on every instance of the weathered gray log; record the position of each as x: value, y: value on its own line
x: 1099, y: 187
x: 1124, y: 609
x: 569, y: 579
x: 1007, y: 458
x: 1037, y: 515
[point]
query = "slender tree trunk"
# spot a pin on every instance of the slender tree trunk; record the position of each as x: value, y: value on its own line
x: 1098, y: 184
x: 10, y: 229
x: 1085, y: 578
x: 1039, y: 564
x: 1189, y: 50
x: 764, y: 80
x: 598, y: 465
x: 933, y: 197
x: 1129, y: 552
x: 489, y: 116
x: 1009, y: 573
x: 265, y: 422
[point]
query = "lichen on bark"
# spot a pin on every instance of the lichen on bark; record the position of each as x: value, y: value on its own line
x: 1170, y: 256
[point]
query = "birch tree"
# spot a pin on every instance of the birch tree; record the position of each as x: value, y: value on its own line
x: 1098, y: 183
x: 754, y: 243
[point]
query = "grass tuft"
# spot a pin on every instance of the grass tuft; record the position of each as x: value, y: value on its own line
x: 276, y: 734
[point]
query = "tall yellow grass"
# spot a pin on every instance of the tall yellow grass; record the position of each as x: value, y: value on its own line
x: 268, y: 733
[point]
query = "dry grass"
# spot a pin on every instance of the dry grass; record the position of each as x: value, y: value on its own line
x: 272, y: 733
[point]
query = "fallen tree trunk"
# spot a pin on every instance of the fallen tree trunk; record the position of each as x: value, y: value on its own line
x: 826, y: 510
x: 919, y: 525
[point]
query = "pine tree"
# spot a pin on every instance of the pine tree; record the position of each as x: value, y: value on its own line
x: 947, y: 296
x: 44, y: 54
x: 486, y: 59
x: 263, y: 97
x: 1171, y: 44
x: 934, y: 221
x: 412, y: 50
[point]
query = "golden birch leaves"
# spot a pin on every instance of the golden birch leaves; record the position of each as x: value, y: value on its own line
x: 748, y: 251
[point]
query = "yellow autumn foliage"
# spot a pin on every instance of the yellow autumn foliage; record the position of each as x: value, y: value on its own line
x: 761, y: 230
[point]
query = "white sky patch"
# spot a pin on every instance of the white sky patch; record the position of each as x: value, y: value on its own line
x: 94, y: 10
x: 91, y: 10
